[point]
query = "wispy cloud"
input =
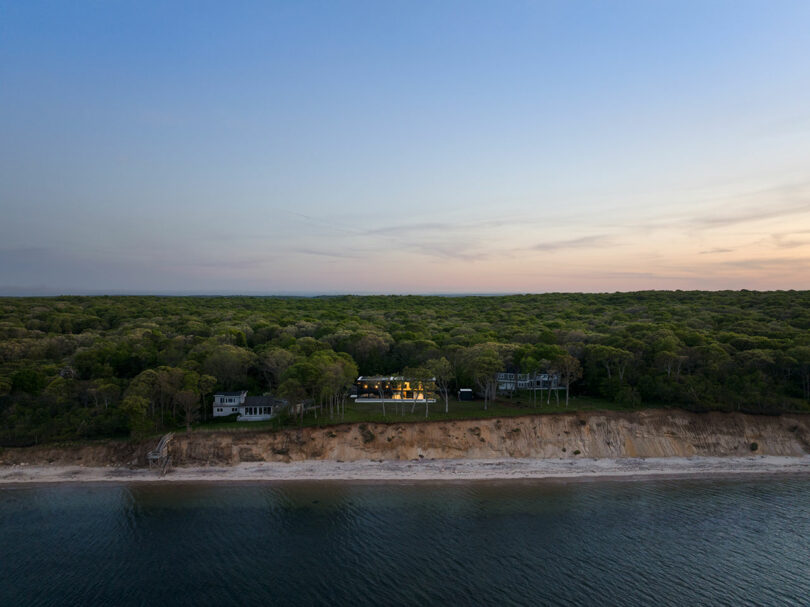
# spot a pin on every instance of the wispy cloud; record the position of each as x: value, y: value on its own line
x: 778, y: 201
x: 242, y: 263
x: 452, y: 251
x: 698, y: 212
x: 788, y: 240
x: 749, y: 215
x: 643, y: 275
x: 584, y: 242
x: 336, y: 254
x: 781, y: 264
x: 716, y: 251
x: 419, y: 228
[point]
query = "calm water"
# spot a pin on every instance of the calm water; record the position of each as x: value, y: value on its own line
x: 599, y: 543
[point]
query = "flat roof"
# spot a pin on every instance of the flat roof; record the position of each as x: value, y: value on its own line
x: 263, y: 401
x: 392, y: 378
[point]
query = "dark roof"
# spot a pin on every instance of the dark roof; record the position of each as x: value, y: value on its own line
x: 393, y: 378
x: 240, y: 393
x: 263, y: 401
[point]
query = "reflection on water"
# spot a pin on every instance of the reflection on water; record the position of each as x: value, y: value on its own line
x: 614, y: 543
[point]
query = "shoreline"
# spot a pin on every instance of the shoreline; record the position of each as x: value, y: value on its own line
x: 441, y: 470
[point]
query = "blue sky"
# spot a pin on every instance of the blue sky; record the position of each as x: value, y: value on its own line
x: 404, y: 147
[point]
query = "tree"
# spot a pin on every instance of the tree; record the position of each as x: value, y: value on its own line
x: 336, y: 373
x: 66, y: 364
x: 105, y: 392
x: 205, y: 386
x: 569, y: 370
x: 169, y: 381
x: 420, y: 381
x: 189, y: 402
x: 412, y: 353
x: 801, y: 355
x: 5, y: 385
x: 615, y: 360
x: 28, y: 380
x: 484, y: 364
x: 273, y: 363
x: 135, y: 408
x: 230, y: 365
x: 292, y: 390
x: 443, y: 373
x: 530, y: 365
x: 144, y: 385
x: 307, y: 377
x: 368, y: 350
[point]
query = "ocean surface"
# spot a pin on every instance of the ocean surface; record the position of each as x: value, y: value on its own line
x: 695, y: 542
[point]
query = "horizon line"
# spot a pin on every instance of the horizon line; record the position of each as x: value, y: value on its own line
x: 13, y: 292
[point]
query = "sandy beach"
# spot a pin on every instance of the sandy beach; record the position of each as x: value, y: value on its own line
x: 422, y: 470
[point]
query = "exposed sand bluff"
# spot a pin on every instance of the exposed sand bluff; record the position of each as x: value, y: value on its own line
x: 652, y: 442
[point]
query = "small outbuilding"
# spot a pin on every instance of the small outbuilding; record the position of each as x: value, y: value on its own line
x: 465, y: 394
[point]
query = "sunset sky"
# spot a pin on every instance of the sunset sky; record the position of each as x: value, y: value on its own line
x: 404, y: 147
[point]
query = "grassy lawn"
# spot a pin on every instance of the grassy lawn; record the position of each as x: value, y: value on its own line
x: 372, y: 412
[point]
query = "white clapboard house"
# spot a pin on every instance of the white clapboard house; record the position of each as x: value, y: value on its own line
x: 248, y: 408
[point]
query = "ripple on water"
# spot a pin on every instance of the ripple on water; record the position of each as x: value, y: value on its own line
x: 734, y: 542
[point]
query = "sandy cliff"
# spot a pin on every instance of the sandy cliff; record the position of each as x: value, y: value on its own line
x: 650, y: 433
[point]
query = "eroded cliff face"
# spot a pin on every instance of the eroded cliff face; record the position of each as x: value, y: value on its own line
x: 649, y: 433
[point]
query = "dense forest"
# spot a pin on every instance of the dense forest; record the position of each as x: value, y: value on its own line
x: 85, y: 367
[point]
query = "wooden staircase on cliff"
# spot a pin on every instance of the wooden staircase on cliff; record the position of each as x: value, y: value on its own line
x: 160, y: 455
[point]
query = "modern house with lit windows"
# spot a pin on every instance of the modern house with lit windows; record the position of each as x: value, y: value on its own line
x: 247, y: 408
x: 378, y: 389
